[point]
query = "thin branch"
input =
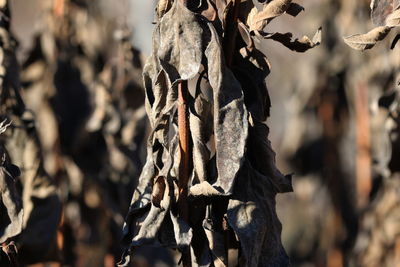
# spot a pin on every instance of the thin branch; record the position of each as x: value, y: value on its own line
x: 184, y: 151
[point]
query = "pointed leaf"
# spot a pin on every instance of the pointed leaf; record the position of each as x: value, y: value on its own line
x: 368, y: 40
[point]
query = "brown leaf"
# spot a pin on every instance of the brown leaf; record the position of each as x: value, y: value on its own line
x: 258, y: 20
x: 298, y: 45
x: 368, y: 40
x: 273, y: 9
x: 11, y: 205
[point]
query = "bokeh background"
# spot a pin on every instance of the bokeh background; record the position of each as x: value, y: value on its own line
x: 334, y: 124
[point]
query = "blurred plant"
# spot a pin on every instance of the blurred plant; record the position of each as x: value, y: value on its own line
x: 378, y: 240
x: 82, y: 80
x: 34, y: 191
x: 209, y: 183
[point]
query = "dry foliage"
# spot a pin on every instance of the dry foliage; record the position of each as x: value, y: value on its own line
x: 204, y: 59
x: 73, y: 120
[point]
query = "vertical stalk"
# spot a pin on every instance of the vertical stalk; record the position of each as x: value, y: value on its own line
x: 184, y: 151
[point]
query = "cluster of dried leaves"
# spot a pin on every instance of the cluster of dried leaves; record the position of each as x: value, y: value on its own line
x: 205, y: 62
x: 77, y: 133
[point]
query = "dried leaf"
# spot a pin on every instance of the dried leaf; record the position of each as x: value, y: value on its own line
x: 225, y: 107
x: 230, y: 121
x: 256, y: 21
x: 297, y: 45
x: 252, y: 23
x: 368, y: 40
x: 273, y: 9
x: 251, y: 214
x: 393, y: 19
x: 180, y: 49
x: 10, y: 204
x: 163, y: 7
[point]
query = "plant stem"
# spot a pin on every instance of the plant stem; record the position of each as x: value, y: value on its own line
x: 184, y: 151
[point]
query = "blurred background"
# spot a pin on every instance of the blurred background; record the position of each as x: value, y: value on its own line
x: 334, y: 124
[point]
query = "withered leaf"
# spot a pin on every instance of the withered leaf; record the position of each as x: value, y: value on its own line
x: 367, y: 40
x: 162, y: 7
x: 298, y: 45
x: 180, y: 41
x: 230, y: 121
x: 251, y: 214
x: 233, y: 164
x: 393, y: 19
x: 10, y: 205
x: 273, y: 9
x: 252, y: 23
x: 256, y: 20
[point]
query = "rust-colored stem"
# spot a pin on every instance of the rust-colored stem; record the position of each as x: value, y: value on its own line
x: 184, y: 151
